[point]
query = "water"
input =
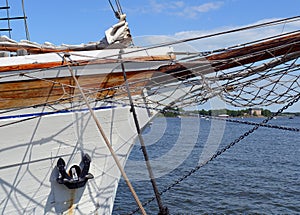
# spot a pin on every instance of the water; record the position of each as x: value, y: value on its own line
x: 260, y: 174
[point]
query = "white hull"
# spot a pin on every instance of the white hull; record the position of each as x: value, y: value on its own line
x: 34, y: 137
x: 43, y: 115
x: 29, y: 154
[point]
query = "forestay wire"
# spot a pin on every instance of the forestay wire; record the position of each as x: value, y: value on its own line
x: 119, y: 10
x: 258, y: 77
x: 272, y: 81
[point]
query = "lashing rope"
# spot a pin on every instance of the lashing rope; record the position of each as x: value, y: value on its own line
x: 107, y: 141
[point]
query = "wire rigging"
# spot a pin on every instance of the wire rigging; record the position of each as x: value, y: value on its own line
x: 25, y: 21
x: 250, y: 84
x: 119, y: 7
x: 118, y: 12
x: 8, y: 19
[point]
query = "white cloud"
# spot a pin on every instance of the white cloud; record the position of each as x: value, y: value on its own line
x: 206, y: 7
x: 157, y: 7
x: 221, y: 41
x: 239, y: 37
x: 178, y: 4
x: 180, y: 8
x: 193, y: 11
x: 225, y: 40
x: 164, y: 7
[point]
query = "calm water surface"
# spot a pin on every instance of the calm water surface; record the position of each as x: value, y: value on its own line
x: 260, y: 174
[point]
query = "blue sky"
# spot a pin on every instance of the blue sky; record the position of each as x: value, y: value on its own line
x: 75, y: 22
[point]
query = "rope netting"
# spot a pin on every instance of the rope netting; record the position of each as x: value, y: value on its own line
x: 258, y: 73
x: 258, y: 84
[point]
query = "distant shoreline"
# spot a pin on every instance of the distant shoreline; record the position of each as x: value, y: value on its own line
x: 226, y: 113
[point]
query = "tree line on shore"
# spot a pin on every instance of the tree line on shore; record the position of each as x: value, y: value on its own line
x: 174, y: 112
x: 235, y: 113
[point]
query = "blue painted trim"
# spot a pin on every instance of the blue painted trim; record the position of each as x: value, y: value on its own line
x: 53, y: 113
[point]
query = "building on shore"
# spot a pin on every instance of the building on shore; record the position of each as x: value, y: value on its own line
x: 255, y: 111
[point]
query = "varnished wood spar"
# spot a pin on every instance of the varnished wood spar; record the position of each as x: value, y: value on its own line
x: 35, y: 92
x: 239, y: 56
x: 13, y: 47
x: 35, y: 66
x: 264, y: 50
x: 235, y: 57
x: 41, y: 49
x: 256, y: 52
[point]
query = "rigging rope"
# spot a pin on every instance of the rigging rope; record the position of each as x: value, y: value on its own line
x: 119, y: 7
x: 109, y: 146
x: 231, y: 84
x: 112, y: 7
x: 25, y: 21
x: 236, y: 87
x: 8, y: 19
x: 162, y: 210
x: 176, y: 42
x: 118, y: 12
x: 238, y: 80
x: 221, y: 151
